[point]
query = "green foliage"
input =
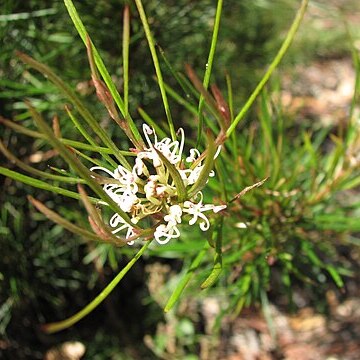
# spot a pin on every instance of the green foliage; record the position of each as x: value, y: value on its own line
x: 284, y: 183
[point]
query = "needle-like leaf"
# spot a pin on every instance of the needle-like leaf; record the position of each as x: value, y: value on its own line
x: 207, y: 167
x: 179, y: 184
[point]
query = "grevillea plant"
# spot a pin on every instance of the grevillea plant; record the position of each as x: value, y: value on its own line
x: 162, y: 184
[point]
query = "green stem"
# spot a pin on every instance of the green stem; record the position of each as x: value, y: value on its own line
x: 61, y: 325
x: 209, y: 65
x: 125, y: 53
x: 279, y: 56
x: 151, y: 44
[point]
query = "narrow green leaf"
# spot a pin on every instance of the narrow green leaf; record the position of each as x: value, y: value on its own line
x: 75, y: 144
x: 207, y: 167
x: 180, y: 100
x: 28, y: 15
x: 61, y: 325
x: 190, y: 88
x: 21, y: 129
x: 58, y: 219
x: 313, y: 158
x: 151, y: 122
x: 70, y: 94
x: 243, y: 288
x: 179, y: 184
x: 209, y: 65
x: 87, y: 136
x: 178, y: 77
x: 101, y: 67
x: 78, y: 166
x: 41, y: 184
x: 279, y: 56
x: 350, y: 183
x: 335, y: 275
x: 218, y: 266
x: 88, y: 158
x: 37, y: 172
x: 310, y: 254
x: 234, y: 138
x: 185, y: 279
x: 208, y: 99
x: 151, y: 44
x: 269, y: 138
x: 125, y: 54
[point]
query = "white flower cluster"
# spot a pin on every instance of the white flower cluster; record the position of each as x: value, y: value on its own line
x: 148, y: 189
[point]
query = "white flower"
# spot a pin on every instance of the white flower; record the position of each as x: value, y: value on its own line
x: 196, y: 210
x: 172, y: 150
x: 174, y: 215
x: 141, y: 193
x: 124, y: 176
x: 124, y: 187
x: 164, y: 233
x: 118, y: 222
x: 140, y: 167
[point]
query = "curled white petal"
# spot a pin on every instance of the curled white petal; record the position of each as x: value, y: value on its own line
x: 204, y: 225
x: 164, y: 233
x: 148, y: 131
x: 194, y: 154
x: 117, y: 220
x: 217, y: 152
x: 218, y: 208
x: 174, y: 216
x: 197, y: 210
x: 103, y: 169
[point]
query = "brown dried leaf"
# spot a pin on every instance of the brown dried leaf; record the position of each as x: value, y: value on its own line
x: 248, y: 188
